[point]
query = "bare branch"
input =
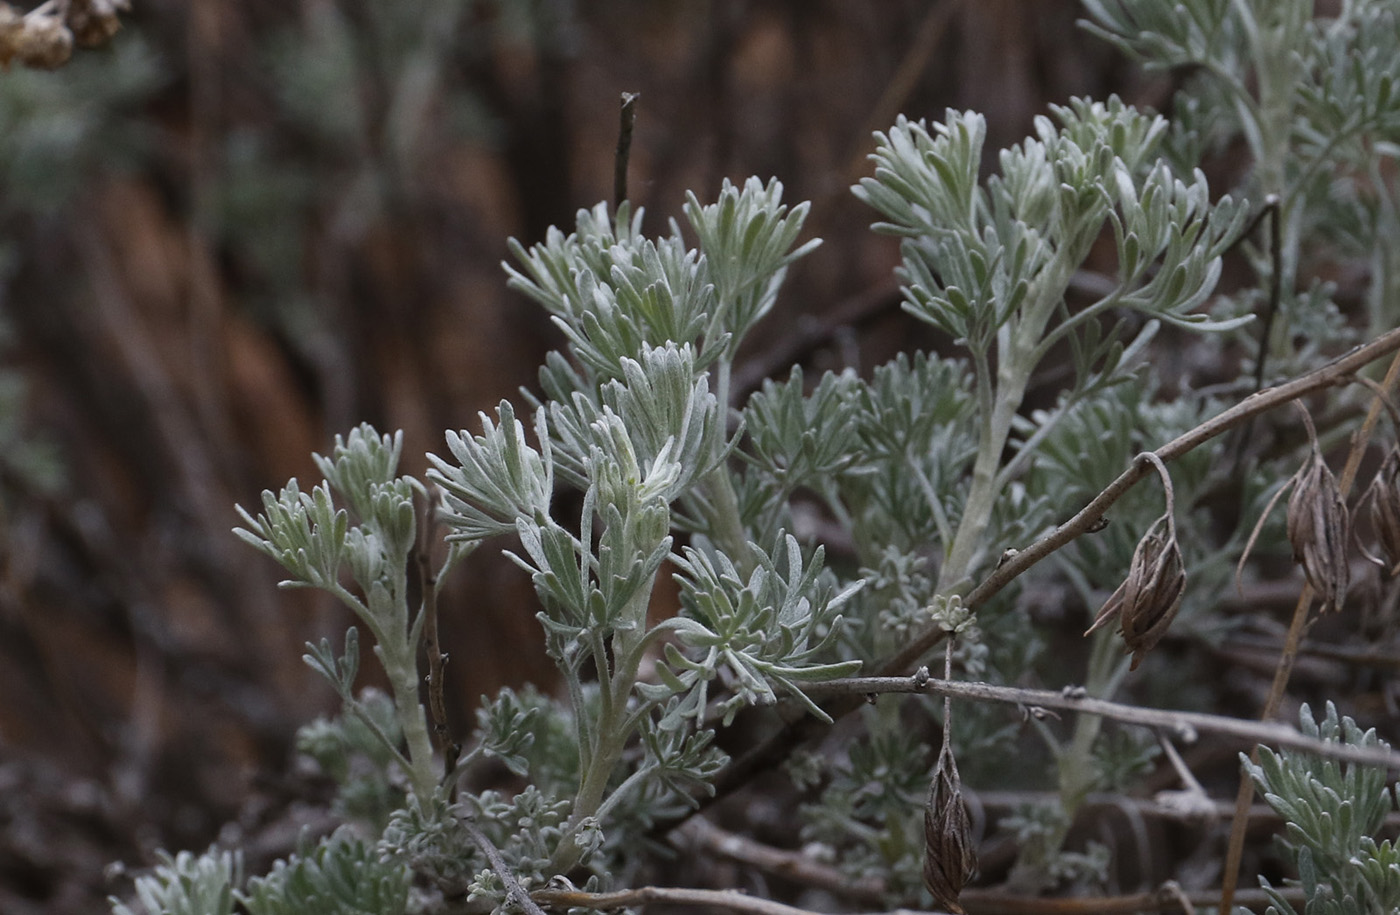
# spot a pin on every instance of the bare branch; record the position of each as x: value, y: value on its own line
x: 1183, y: 724
x: 781, y: 862
x: 978, y: 902
x: 666, y: 895
x: 627, y: 117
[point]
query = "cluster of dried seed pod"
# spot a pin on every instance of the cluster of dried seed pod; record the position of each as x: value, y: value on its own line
x: 44, y: 37
x: 1146, y: 602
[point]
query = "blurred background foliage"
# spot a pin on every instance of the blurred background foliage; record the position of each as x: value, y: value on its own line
x: 247, y: 225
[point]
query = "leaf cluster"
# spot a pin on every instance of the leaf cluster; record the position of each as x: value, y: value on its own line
x: 1333, y: 812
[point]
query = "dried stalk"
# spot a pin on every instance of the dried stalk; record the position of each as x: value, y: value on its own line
x: 1183, y: 724
x: 980, y: 902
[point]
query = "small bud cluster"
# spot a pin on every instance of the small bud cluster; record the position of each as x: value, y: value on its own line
x: 43, y: 38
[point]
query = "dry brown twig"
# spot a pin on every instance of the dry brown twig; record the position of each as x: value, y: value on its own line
x: 1166, y: 899
x: 1183, y: 724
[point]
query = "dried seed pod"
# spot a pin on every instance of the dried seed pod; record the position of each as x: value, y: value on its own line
x: 94, y: 21
x: 1384, y: 496
x: 950, y: 854
x: 11, y: 29
x: 1318, y: 528
x: 1147, y: 600
x: 42, y: 41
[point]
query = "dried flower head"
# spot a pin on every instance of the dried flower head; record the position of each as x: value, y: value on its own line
x: 1318, y: 528
x: 94, y: 21
x: 1384, y: 497
x: 36, y: 39
x: 1318, y: 525
x: 1146, y: 602
x: 950, y: 854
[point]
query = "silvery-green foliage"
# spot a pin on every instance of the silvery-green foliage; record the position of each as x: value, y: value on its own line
x: 1314, y: 99
x: 915, y: 422
x: 304, y: 532
x: 768, y: 629
x: 316, y: 542
x: 747, y: 238
x: 1089, y: 445
x: 430, y: 836
x: 506, y: 730
x: 526, y: 829
x: 1122, y: 757
x: 498, y: 478
x: 1332, y: 813
x: 341, y: 875
x: 1040, y: 830
x: 187, y: 884
x: 898, y: 590
x: 979, y: 258
x: 534, y: 733
x: 352, y: 750
x: 863, y: 811
x: 930, y: 468
x: 1168, y: 35
x: 312, y: 538
x: 799, y: 437
x: 629, y: 418
x: 427, y: 834
x: 613, y: 292
x: 677, y: 765
x: 342, y: 671
x: 661, y: 403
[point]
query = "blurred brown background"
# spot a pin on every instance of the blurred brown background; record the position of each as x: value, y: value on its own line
x: 247, y: 225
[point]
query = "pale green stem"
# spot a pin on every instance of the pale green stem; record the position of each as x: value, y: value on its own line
x: 1385, y: 278
x: 726, y: 527
x: 415, y: 725
x: 1016, y: 346
x: 397, y: 651
x: 940, y: 517
x: 613, y: 729
x: 1075, y: 758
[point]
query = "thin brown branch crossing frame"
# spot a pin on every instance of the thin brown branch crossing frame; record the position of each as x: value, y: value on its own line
x: 1184, y: 725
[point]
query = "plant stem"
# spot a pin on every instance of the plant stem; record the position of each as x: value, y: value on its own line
x: 611, y: 731
x: 397, y: 652
x: 1016, y: 348
x: 403, y: 675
